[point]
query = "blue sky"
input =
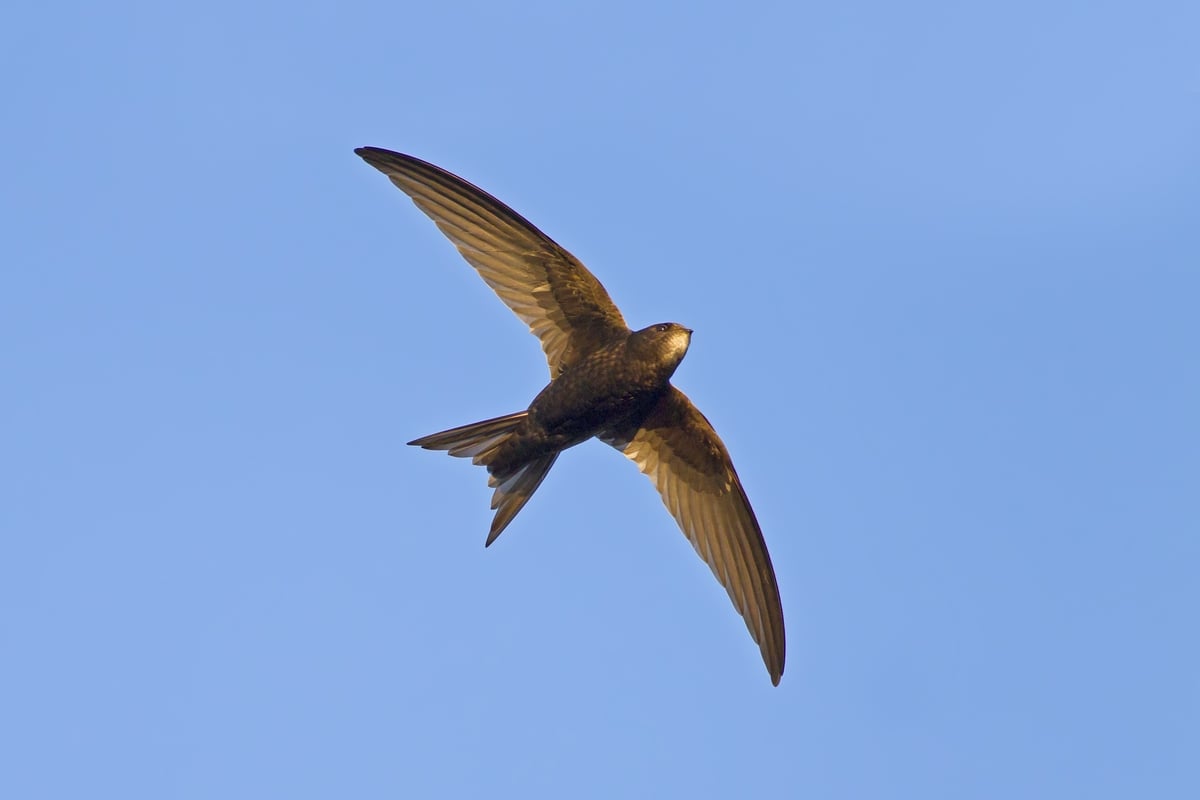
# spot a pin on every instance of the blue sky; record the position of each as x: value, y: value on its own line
x: 943, y: 264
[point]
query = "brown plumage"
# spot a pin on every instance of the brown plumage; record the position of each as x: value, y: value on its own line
x: 606, y: 382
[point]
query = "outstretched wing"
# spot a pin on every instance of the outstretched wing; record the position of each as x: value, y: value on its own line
x: 547, y: 287
x: 685, y: 459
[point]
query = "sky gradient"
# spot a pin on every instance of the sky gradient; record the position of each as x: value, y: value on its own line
x: 943, y: 265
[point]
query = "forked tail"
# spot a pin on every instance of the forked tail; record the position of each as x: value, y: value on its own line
x: 482, y: 442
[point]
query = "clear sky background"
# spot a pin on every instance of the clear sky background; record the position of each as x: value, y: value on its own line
x: 943, y: 263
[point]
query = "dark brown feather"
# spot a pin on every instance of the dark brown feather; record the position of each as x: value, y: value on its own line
x: 547, y: 287
x: 687, y: 462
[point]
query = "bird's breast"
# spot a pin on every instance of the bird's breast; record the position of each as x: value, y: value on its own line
x: 608, y: 386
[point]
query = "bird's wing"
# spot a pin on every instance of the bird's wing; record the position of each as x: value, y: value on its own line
x: 547, y: 287
x: 688, y: 464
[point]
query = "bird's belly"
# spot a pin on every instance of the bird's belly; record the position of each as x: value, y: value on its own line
x: 573, y: 411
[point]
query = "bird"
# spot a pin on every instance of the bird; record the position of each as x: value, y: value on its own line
x: 606, y: 382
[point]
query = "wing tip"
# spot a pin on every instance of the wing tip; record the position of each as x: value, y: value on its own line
x: 367, y: 153
x: 775, y: 657
x: 383, y: 159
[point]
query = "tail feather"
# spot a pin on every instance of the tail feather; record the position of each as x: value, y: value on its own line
x: 480, y: 442
x: 514, y: 492
x: 476, y: 441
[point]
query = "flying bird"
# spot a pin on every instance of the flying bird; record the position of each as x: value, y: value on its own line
x: 606, y: 381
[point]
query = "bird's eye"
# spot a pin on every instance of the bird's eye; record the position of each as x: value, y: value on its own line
x: 661, y: 328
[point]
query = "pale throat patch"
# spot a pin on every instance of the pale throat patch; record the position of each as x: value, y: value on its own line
x: 677, y: 344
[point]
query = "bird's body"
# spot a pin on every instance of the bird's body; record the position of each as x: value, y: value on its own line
x: 607, y: 382
x: 611, y: 386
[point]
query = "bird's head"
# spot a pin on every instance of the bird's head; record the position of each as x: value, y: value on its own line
x: 666, y: 343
